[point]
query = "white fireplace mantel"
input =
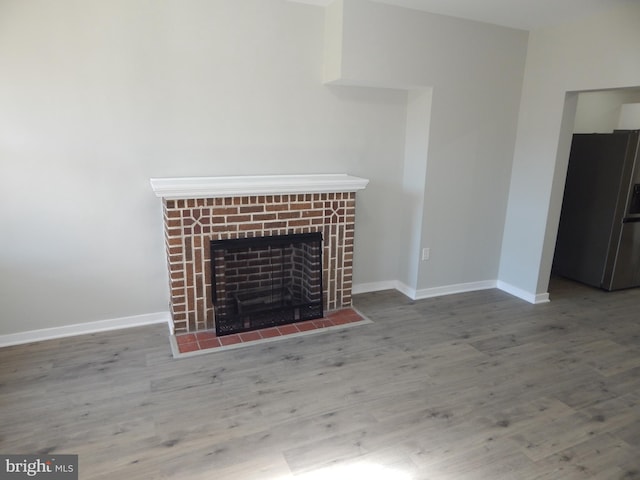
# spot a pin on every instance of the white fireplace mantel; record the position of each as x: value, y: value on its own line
x: 232, y: 186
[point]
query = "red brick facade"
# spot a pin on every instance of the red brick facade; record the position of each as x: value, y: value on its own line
x: 191, y: 224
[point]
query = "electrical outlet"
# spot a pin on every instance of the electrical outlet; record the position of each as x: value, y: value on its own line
x: 425, y: 253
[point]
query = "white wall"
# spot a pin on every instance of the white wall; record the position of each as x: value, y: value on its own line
x: 475, y: 71
x: 599, y: 52
x: 413, y: 185
x: 629, y: 116
x: 600, y: 112
x: 97, y: 97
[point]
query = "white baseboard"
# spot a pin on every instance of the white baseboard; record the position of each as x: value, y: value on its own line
x: 523, y: 294
x: 414, y: 294
x: 387, y: 285
x: 455, y: 288
x: 406, y: 290
x: 450, y: 290
x: 84, y: 328
x: 374, y: 287
x: 165, y: 317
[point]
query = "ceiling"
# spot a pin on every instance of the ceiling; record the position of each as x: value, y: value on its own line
x: 521, y: 14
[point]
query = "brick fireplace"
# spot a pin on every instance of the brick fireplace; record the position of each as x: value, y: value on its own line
x: 199, y: 210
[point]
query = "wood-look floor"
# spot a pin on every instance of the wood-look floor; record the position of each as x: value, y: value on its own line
x: 473, y: 386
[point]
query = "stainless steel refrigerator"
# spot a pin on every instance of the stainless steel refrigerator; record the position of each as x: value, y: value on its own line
x: 599, y: 234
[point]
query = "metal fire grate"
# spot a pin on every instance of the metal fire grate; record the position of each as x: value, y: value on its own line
x: 266, y: 281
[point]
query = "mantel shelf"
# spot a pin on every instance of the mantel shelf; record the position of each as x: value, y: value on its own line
x: 233, y: 186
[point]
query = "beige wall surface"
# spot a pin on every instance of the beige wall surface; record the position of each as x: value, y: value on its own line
x: 462, y: 127
x: 98, y: 97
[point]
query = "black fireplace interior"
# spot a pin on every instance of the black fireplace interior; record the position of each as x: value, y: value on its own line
x: 264, y: 282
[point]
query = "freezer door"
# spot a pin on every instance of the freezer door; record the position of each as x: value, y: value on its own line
x: 626, y: 271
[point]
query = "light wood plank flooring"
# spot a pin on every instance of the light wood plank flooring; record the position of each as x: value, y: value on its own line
x: 473, y: 386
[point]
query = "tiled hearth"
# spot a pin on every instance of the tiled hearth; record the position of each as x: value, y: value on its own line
x: 190, y: 344
x: 198, y: 210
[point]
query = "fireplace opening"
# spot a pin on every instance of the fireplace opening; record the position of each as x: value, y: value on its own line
x: 262, y: 282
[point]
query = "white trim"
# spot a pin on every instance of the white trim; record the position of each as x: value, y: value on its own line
x: 374, y: 287
x: 453, y: 289
x: 523, y: 294
x: 386, y: 285
x: 406, y: 290
x: 165, y: 317
x: 84, y: 328
x: 450, y: 290
x: 414, y: 294
x: 233, y: 186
